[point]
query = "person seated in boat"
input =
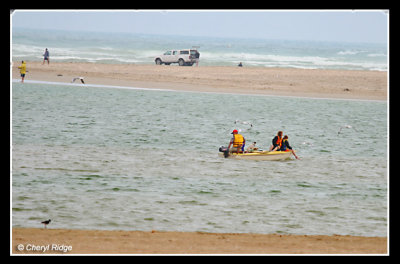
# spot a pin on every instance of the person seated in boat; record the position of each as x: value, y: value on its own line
x: 237, y: 142
x: 276, y: 142
x: 286, y: 146
x: 252, y: 147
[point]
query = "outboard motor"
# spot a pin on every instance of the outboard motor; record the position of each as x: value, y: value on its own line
x: 225, y: 150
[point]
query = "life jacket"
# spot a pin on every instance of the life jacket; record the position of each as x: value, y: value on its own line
x: 279, y: 141
x: 283, y: 145
x: 238, y: 140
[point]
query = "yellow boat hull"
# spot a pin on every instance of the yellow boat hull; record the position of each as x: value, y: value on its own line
x: 262, y: 155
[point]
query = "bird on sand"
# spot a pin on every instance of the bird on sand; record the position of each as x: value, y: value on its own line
x: 45, y: 223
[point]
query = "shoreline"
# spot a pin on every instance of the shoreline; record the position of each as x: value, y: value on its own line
x: 190, y: 91
x: 71, y: 241
x: 330, y: 84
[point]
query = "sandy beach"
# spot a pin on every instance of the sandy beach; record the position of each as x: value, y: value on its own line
x: 64, y: 241
x: 346, y: 84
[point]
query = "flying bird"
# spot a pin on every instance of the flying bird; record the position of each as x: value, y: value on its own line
x: 244, y: 123
x: 76, y: 78
x: 346, y: 126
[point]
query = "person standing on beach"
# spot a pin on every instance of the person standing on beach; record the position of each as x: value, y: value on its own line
x: 197, y: 58
x: 22, y: 70
x: 46, y: 56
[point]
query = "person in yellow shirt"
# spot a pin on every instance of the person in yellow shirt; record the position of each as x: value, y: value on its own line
x: 22, y: 70
x: 237, y: 142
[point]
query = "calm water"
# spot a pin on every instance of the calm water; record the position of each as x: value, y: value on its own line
x: 106, y: 158
x: 70, y: 46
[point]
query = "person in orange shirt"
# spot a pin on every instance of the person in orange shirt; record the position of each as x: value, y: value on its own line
x: 276, y: 142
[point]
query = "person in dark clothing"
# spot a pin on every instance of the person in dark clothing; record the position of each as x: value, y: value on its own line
x: 286, y: 146
x: 197, y: 56
x: 46, y: 56
x: 276, y: 142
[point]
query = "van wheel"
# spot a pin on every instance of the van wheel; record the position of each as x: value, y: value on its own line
x: 158, y: 62
x: 181, y: 62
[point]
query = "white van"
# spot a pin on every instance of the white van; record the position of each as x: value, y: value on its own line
x: 182, y: 57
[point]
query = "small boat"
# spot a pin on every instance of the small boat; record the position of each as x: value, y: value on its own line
x: 257, y: 155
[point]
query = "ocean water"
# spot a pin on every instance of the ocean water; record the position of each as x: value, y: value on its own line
x: 70, y: 46
x: 123, y: 159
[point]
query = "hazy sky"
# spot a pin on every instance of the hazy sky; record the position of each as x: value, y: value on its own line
x: 340, y: 25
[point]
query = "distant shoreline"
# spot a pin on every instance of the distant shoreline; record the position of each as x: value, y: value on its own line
x: 341, y: 84
x: 70, y: 241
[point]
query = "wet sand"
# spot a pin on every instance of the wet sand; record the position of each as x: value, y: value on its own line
x: 368, y: 85
x: 65, y: 241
